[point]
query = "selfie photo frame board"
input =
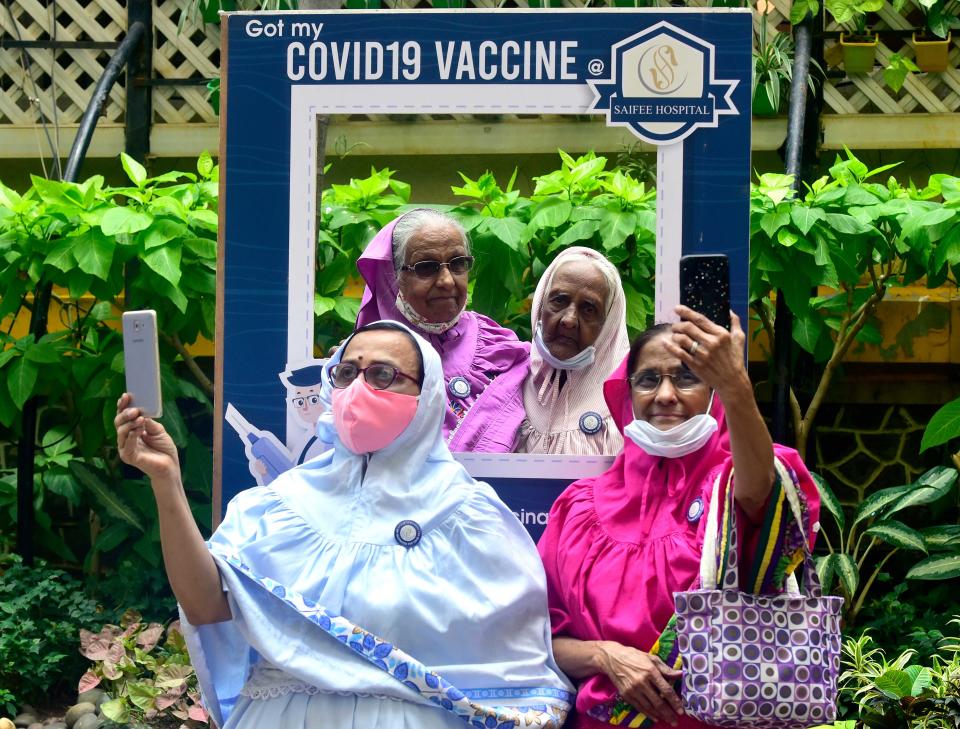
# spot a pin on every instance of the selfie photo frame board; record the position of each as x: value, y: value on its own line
x: 676, y: 78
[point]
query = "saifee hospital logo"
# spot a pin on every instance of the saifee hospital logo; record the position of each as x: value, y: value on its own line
x: 662, y: 86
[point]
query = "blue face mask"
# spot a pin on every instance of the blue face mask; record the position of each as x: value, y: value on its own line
x: 584, y: 358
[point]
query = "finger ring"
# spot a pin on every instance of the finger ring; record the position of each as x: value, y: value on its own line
x: 693, y: 348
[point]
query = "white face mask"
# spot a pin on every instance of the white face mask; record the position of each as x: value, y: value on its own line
x: 431, y: 327
x: 680, y: 440
x: 584, y: 358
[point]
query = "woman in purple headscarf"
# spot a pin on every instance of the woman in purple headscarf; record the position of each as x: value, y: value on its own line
x: 416, y: 272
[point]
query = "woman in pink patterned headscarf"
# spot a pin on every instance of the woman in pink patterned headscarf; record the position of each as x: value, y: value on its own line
x: 416, y: 273
x: 579, y: 337
x: 618, y: 546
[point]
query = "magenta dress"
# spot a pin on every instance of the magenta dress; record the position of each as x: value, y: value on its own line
x: 618, y: 546
x: 480, y: 358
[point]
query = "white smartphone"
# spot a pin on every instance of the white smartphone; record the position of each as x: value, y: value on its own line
x: 141, y: 361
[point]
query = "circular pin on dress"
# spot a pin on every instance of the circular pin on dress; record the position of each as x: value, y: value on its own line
x: 408, y: 533
x: 459, y: 387
x: 695, y: 511
x: 591, y: 423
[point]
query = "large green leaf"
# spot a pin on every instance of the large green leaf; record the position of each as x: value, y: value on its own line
x: 894, y: 683
x: 116, y: 710
x: 921, y: 677
x: 135, y: 171
x: 944, y: 426
x: 550, y: 213
x: 848, y: 572
x: 829, y: 500
x: 106, y: 495
x: 21, y: 379
x: 61, y: 255
x: 931, y: 486
x: 163, y: 230
x: 615, y: 228
x: 878, y: 501
x: 124, y: 220
x: 508, y: 230
x: 805, y: 218
x: 826, y: 569
x: 897, y: 534
x: 807, y: 329
x: 165, y: 261
x: 938, y: 538
x: 94, y: 253
x: 938, y: 567
x: 581, y: 230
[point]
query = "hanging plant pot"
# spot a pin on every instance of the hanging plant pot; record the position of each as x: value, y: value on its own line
x: 932, y: 56
x: 858, y: 56
x: 762, y: 105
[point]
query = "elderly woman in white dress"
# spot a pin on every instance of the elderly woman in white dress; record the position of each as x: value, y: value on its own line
x: 377, y: 585
x: 580, y: 336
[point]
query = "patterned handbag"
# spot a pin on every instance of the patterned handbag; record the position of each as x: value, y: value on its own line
x: 756, y: 660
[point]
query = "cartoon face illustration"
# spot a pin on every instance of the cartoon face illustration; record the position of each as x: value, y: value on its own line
x: 304, y: 383
x: 307, y: 405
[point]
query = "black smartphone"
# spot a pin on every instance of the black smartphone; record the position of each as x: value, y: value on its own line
x: 705, y: 286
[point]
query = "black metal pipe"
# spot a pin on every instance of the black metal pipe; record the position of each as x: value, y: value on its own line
x: 783, y: 326
x: 89, y: 121
x: 58, y: 45
x: 26, y: 450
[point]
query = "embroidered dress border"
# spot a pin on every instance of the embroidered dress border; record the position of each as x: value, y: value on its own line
x: 407, y: 670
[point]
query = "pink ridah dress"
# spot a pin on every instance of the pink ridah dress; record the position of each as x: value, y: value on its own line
x: 618, y: 546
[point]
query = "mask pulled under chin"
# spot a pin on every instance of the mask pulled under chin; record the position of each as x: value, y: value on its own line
x: 369, y: 420
x: 431, y: 327
x: 678, y: 441
x: 583, y: 358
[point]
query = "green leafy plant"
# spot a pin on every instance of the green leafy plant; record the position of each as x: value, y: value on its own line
x: 943, y: 427
x: 146, y: 676
x: 862, y: 546
x: 104, y: 250
x: 942, y: 16
x: 897, y: 69
x: 853, y: 239
x: 773, y: 68
x: 845, y: 12
x: 900, y: 617
x: 898, y: 693
x: 41, y: 610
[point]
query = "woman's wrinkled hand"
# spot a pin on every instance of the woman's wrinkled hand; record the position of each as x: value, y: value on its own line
x: 711, y: 352
x: 643, y: 681
x: 144, y: 443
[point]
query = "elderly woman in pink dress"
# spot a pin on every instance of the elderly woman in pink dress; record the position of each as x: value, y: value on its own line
x: 579, y: 337
x: 416, y: 272
x: 618, y: 546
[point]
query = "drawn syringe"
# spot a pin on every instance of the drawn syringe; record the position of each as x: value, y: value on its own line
x: 259, y: 444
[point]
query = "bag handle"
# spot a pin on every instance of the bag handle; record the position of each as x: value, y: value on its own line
x: 710, y: 556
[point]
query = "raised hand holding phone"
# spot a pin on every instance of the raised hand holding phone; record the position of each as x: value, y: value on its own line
x: 705, y: 286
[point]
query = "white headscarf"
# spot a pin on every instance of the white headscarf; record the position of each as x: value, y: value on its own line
x: 559, y: 420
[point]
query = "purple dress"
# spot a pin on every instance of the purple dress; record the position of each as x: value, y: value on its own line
x: 487, y: 357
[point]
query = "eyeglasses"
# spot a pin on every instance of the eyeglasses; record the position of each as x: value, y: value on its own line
x: 430, y: 269
x: 299, y: 402
x: 648, y: 381
x: 378, y: 376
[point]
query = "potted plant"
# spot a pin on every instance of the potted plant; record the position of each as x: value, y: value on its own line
x: 932, y: 43
x: 860, y: 46
x: 773, y: 73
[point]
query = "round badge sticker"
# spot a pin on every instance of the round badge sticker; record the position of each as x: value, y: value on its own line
x: 459, y: 387
x: 591, y: 423
x: 407, y: 533
x: 696, y: 510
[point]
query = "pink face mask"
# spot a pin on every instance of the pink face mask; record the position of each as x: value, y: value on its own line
x: 368, y: 420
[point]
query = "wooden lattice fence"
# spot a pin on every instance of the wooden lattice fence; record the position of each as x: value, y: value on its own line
x: 187, y: 50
